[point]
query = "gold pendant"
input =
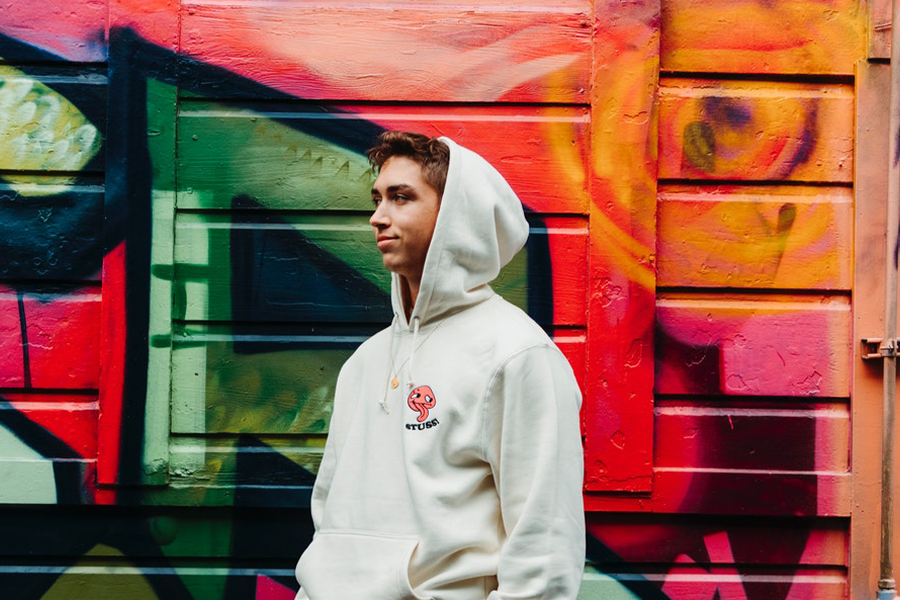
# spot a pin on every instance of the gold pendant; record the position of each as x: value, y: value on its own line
x: 394, y: 383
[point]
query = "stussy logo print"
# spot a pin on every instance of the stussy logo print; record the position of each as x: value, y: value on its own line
x: 421, y: 400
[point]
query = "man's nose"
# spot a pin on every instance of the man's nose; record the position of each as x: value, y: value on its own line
x: 379, y: 218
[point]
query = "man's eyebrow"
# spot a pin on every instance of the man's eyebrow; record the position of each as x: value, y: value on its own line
x: 400, y: 187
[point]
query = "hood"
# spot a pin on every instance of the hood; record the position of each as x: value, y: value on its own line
x: 480, y: 227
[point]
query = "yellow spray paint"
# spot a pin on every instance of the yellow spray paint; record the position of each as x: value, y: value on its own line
x: 40, y: 130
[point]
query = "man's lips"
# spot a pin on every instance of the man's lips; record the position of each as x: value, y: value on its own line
x: 383, y: 241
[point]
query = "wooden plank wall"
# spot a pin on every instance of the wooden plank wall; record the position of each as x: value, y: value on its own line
x: 187, y: 263
x: 753, y: 323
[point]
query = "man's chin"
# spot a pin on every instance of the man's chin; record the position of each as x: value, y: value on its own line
x: 392, y: 266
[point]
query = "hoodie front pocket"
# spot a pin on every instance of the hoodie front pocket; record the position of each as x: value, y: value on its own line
x: 350, y: 565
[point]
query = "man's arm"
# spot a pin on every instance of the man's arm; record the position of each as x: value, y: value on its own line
x: 324, y: 477
x: 532, y: 439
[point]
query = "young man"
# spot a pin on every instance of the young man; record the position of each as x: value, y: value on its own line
x: 453, y: 466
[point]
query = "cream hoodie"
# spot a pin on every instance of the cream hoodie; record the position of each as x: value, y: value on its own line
x: 464, y: 481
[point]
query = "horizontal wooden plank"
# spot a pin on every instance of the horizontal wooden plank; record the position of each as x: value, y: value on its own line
x: 272, y: 267
x: 255, y: 383
x: 50, y: 340
x: 753, y: 345
x: 65, y: 425
x: 744, y: 36
x: 55, y: 120
x: 51, y: 231
x: 57, y: 29
x: 690, y: 436
x: 292, y: 158
x: 774, y: 493
x: 646, y: 540
x: 197, y: 532
x: 544, y: 152
x: 755, y: 237
x: 690, y: 581
x: 524, y: 5
x: 480, y: 53
x: 29, y: 478
x: 755, y: 131
x: 275, y: 267
x: 297, y: 156
x: 247, y: 461
x: 736, y: 492
x: 118, y: 577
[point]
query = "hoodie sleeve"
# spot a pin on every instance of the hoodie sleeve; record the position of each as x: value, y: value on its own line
x: 532, y: 440
x: 320, y: 493
x: 326, y: 471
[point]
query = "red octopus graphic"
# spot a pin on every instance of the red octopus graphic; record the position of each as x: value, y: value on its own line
x: 421, y: 399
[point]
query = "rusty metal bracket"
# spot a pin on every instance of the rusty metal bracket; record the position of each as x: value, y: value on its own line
x: 876, y: 347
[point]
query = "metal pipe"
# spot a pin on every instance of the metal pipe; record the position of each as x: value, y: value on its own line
x: 886, y: 583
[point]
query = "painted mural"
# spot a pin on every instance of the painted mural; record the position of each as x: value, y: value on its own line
x: 187, y: 262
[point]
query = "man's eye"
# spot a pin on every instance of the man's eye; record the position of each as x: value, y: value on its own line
x: 376, y: 201
x: 400, y: 198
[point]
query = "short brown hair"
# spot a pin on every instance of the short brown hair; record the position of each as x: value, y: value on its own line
x: 431, y: 153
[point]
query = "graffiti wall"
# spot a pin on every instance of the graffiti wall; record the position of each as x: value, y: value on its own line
x: 187, y: 262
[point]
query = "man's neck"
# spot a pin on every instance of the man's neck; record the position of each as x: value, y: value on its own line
x: 409, y: 292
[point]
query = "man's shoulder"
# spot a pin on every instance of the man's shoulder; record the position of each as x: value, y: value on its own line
x: 506, y: 327
x: 377, y: 344
x: 511, y: 318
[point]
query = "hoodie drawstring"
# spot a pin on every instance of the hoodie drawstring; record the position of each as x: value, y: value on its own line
x: 412, y: 354
x: 393, y: 381
x: 392, y: 376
